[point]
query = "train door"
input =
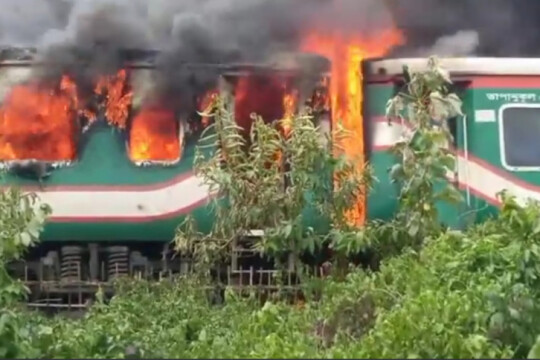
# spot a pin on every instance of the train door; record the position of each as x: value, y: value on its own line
x: 455, y: 215
x: 475, y: 136
x: 452, y: 214
x: 382, y: 200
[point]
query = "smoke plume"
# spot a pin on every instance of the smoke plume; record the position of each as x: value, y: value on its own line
x: 503, y: 27
x: 462, y: 43
x: 228, y: 31
x: 184, y: 31
x: 229, y: 27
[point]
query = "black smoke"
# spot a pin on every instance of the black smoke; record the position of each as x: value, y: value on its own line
x: 232, y: 30
x: 226, y: 30
x: 504, y: 28
x: 68, y: 33
x: 86, y: 38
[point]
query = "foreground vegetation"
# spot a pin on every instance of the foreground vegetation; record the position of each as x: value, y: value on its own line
x: 464, y: 295
x: 429, y: 292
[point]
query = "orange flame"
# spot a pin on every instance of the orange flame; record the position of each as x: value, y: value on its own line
x: 70, y: 87
x: 154, y: 135
x: 39, y: 123
x: 346, y: 93
x: 206, y: 103
x: 268, y: 97
x: 290, y: 101
x: 118, y: 100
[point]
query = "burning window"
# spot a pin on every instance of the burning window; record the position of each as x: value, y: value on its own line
x: 39, y: 122
x: 156, y: 132
x: 267, y: 96
x: 43, y: 123
x: 152, y: 127
x: 155, y: 135
x: 205, y: 104
x: 117, y: 96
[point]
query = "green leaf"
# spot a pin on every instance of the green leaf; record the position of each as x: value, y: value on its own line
x: 25, y: 239
x: 455, y: 105
x: 396, y: 171
x: 444, y: 74
x: 534, y: 353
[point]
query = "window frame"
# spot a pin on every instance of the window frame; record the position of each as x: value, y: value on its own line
x: 502, y: 143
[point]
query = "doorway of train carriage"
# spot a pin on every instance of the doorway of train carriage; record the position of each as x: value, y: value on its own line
x: 461, y: 215
x: 457, y: 216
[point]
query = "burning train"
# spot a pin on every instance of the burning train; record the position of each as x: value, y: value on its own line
x: 114, y: 160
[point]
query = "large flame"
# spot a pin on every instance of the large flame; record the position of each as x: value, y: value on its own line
x: 38, y: 122
x: 154, y: 135
x: 346, y: 54
x: 42, y: 122
x: 290, y: 103
x: 118, y: 98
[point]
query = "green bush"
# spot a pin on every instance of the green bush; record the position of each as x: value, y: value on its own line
x: 463, y: 295
x: 21, y: 222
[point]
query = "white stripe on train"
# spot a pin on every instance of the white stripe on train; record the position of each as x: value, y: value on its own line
x: 132, y: 204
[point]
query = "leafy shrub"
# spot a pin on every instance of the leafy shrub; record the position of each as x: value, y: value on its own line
x: 462, y: 295
x: 20, y: 226
x: 266, y: 182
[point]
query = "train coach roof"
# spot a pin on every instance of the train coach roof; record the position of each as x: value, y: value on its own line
x: 458, y: 66
x: 140, y: 58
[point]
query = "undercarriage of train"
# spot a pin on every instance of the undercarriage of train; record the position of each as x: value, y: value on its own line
x: 67, y: 277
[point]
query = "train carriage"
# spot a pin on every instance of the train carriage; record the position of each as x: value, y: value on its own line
x: 116, y: 204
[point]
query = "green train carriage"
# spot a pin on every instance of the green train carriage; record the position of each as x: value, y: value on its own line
x: 111, y: 211
x: 495, y: 142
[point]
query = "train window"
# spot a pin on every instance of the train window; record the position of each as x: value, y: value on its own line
x: 155, y: 135
x: 38, y: 124
x: 265, y: 96
x: 519, y: 127
x: 155, y: 132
